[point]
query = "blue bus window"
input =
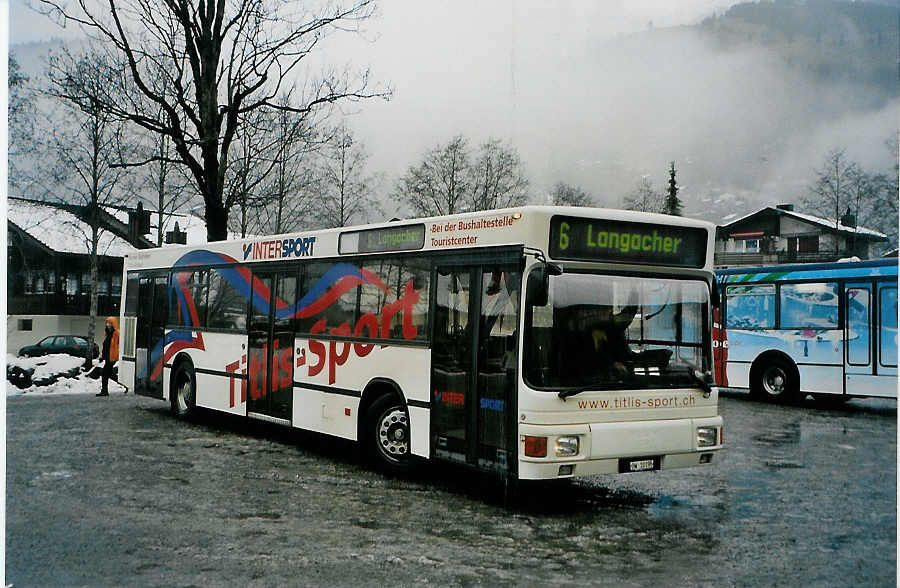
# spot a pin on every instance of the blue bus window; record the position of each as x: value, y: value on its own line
x: 751, y: 307
x: 888, y: 332
x: 858, y: 306
x: 805, y: 306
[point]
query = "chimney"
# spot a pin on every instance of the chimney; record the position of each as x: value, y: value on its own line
x: 849, y: 219
x: 176, y: 236
x: 788, y: 207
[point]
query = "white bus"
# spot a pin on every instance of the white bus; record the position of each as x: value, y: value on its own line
x: 536, y: 342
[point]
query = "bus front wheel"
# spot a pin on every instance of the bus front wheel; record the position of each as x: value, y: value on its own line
x: 388, y: 434
x: 184, y: 391
x: 775, y: 380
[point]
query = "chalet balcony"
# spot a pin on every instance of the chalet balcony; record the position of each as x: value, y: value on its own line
x: 780, y: 257
x: 62, y: 304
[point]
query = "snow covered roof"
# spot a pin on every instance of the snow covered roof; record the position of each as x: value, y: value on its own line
x: 61, y: 230
x: 120, y: 215
x: 830, y: 224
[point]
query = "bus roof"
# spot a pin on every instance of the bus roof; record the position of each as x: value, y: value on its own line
x: 887, y: 266
x: 527, y: 226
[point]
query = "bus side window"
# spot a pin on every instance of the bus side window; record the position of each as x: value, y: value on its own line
x: 858, y: 309
x: 888, y: 327
x: 227, y: 307
x: 751, y: 307
x: 812, y: 305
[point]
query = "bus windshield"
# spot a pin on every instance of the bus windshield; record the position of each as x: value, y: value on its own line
x: 617, y: 332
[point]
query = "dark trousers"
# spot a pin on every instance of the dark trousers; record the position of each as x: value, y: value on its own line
x: 105, y: 376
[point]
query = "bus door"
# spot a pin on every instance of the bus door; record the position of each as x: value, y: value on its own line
x: 870, y: 358
x: 859, y: 343
x: 270, y: 346
x: 886, y: 339
x: 150, y: 331
x: 473, y: 376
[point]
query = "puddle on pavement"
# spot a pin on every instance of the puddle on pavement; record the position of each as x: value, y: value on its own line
x: 789, y: 435
x: 687, y: 507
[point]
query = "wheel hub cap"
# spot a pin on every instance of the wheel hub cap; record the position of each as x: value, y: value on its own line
x: 392, y: 434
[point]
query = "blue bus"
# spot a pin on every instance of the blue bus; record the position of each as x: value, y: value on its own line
x: 827, y: 329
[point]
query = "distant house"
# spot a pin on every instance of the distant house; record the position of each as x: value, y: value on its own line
x: 48, y: 269
x: 777, y: 234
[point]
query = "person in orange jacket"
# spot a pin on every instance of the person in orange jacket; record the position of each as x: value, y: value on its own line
x: 110, y: 353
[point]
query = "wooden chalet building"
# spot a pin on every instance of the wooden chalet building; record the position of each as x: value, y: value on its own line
x: 777, y: 234
x: 48, y: 269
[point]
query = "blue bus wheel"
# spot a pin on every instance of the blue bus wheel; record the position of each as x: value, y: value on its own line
x: 775, y: 381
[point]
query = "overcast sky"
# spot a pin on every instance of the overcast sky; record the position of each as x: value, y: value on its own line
x: 580, y: 100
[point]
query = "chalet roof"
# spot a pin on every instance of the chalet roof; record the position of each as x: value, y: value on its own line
x: 61, y: 230
x: 814, y: 220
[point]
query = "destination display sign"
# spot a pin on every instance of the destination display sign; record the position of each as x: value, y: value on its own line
x: 626, y: 242
x: 401, y: 238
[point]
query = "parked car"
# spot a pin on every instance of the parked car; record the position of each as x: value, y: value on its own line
x: 70, y: 344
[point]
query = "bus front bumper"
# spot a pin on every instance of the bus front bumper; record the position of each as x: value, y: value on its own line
x: 611, y: 448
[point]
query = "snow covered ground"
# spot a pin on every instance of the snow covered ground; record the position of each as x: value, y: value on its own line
x: 46, y: 367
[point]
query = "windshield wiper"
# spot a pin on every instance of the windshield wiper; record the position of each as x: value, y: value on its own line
x: 599, y: 385
x: 700, y: 379
x: 697, y: 377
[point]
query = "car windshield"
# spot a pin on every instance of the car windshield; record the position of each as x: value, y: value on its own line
x: 617, y: 332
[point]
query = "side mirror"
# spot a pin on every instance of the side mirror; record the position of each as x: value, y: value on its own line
x: 538, y: 288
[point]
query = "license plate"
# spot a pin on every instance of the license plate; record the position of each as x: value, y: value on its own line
x: 641, y: 465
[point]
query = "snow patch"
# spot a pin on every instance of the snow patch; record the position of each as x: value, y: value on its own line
x: 60, y: 367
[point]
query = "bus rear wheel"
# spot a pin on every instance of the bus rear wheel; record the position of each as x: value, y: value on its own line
x: 774, y: 381
x: 388, y: 434
x: 184, y: 391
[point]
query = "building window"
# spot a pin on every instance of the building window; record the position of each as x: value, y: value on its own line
x: 117, y: 284
x: 25, y: 324
x: 751, y: 246
x: 71, y: 284
x: 808, y: 244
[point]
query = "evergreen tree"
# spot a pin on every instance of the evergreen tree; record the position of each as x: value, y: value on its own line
x: 673, y: 204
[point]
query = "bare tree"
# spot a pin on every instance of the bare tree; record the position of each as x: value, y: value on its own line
x: 830, y: 193
x: 439, y: 184
x: 645, y: 197
x: 881, y: 210
x: 347, y: 190
x: 20, y: 118
x: 249, y: 168
x: 291, y: 175
x: 87, y: 145
x: 217, y: 61
x: 842, y: 190
x: 169, y: 185
x: 498, y: 179
x: 564, y: 194
x: 887, y: 199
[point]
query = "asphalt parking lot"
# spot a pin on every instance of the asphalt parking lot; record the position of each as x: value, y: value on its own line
x: 104, y: 492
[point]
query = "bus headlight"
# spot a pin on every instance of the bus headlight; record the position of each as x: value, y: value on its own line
x: 567, y: 446
x: 707, y: 436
